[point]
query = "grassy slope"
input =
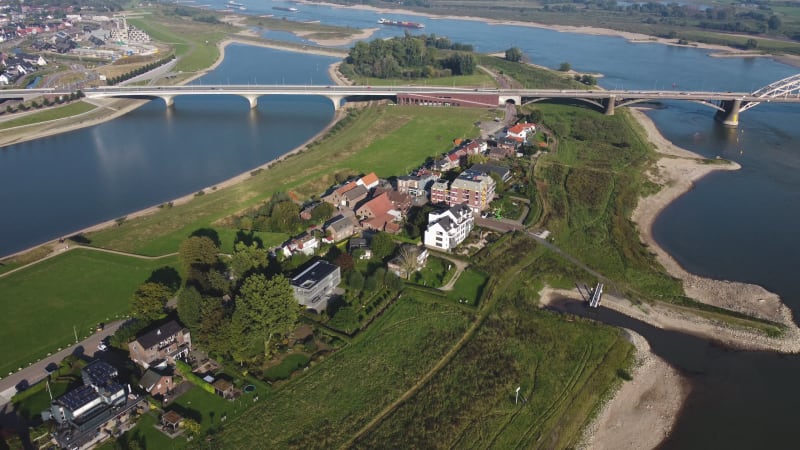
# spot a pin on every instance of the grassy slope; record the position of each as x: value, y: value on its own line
x: 384, y: 139
x: 54, y: 113
x: 324, y: 407
x: 563, y: 367
x: 79, y: 288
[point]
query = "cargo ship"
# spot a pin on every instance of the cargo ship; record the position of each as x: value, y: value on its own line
x: 400, y: 23
x: 285, y: 8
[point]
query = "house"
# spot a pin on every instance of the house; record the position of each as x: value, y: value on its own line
x: 305, y: 214
x: 83, y: 414
x: 403, y: 269
x: 340, y: 228
x: 504, y: 173
x: 353, y: 196
x: 5, y: 79
x: 156, y: 383
x: 375, y: 207
x: 369, y: 181
x: 502, y: 152
x: 521, y: 131
x: 314, y: 285
x: 361, y: 247
x: 36, y: 60
x: 336, y: 197
x: 401, y: 202
x: 224, y: 389
x: 415, y: 185
x: 163, y: 344
x: 472, y: 188
x: 306, y: 244
x: 380, y: 214
x: 446, y: 229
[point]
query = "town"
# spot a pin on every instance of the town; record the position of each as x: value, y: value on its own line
x: 344, y: 269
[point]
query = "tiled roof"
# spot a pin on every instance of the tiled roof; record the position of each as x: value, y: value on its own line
x: 369, y: 179
x: 379, y: 205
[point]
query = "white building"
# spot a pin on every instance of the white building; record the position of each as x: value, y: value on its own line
x: 447, y: 229
x: 315, y: 285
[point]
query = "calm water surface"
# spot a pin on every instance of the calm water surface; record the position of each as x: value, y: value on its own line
x: 734, y: 225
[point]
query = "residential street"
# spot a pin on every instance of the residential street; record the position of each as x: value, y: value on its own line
x: 36, y: 371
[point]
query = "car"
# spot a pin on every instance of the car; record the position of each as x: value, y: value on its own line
x: 102, y: 347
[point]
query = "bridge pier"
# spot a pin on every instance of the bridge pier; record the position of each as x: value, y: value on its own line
x: 169, y: 100
x: 336, y: 100
x: 729, y: 117
x: 253, y: 99
x: 610, y: 104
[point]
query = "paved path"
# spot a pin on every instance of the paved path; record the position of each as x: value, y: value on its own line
x: 36, y: 372
x: 460, y: 266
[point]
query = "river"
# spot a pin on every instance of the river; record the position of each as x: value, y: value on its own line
x: 733, y: 225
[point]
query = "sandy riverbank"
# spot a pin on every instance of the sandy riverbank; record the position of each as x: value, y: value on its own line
x: 677, y: 171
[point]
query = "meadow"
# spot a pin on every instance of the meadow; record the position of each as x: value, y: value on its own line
x: 80, y: 288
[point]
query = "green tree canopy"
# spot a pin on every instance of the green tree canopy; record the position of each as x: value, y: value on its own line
x: 149, y: 300
x: 266, y: 308
x: 247, y: 257
x: 514, y: 54
x: 565, y: 67
x: 382, y: 245
x: 190, y: 304
x: 197, y: 252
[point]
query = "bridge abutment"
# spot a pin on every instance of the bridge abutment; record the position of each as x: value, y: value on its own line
x: 730, y: 116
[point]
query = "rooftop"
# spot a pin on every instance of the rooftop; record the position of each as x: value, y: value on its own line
x: 315, y: 273
x: 159, y: 333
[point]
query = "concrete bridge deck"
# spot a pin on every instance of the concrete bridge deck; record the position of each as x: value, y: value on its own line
x: 729, y: 104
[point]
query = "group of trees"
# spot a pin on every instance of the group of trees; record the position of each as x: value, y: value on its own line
x: 411, y: 57
x: 281, y: 214
x: 46, y: 102
x: 139, y: 71
x: 238, y: 306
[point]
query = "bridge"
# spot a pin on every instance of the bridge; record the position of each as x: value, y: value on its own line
x: 729, y: 105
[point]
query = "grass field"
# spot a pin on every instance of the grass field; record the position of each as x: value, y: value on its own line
x: 324, y: 407
x: 47, y: 114
x: 469, y: 286
x: 195, y: 46
x: 385, y: 139
x: 80, y: 288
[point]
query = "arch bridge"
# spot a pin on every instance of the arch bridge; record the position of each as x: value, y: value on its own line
x: 729, y: 105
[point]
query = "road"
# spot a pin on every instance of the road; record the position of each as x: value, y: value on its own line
x: 36, y: 371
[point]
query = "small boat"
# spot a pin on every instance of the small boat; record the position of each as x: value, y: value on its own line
x: 400, y: 23
x: 285, y: 8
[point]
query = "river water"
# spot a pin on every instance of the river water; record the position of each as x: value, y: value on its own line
x: 734, y: 225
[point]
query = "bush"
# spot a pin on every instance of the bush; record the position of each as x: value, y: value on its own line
x: 185, y: 371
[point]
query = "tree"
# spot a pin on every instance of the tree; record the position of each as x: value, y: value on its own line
x: 408, y: 259
x: 565, y: 67
x: 247, y: 257
x: 751, y: 44
x: 285, y: 217
x: 774, y: 23
x: 382, y: 245
x: 149, y: 300
x: 514, y: 54
x: 266, y: 308
x: 190, y: 304
x: 191, y: 426
x: 355, y: 280
x: 322, y: 212
x: 393, y: 282
x: 198, y: 252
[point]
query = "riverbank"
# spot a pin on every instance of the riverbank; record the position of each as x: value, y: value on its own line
x: 716, y: 50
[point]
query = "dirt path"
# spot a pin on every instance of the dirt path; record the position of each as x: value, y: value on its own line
x: 460, y: 266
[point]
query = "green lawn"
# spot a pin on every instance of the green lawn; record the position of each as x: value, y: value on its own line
x: 436, y: 273
x: 479, y: 78
x: 79, y: 288
x: 195, y: 45
x: 325, y: 406
x: 47, y: 114
x: 285, y: 369
x: 469, y: 286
